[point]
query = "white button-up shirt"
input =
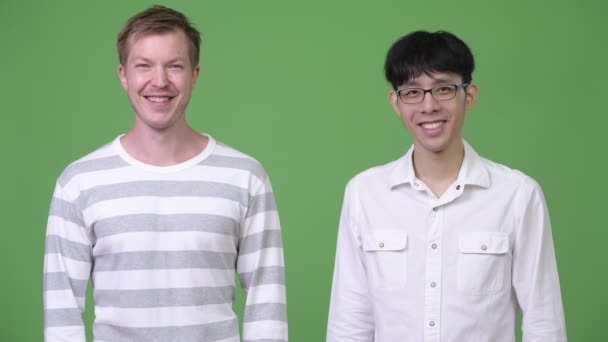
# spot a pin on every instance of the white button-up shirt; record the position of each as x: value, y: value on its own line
x: 414, y: 267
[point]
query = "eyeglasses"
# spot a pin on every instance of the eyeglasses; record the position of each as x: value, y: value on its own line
x: 442, y: 92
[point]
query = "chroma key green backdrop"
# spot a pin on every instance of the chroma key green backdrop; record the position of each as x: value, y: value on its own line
x: 299, y: 85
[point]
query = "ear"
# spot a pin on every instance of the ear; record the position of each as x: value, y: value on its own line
x: 195, y: 73
x: 394, y: 100
x: 122, y: 75
x: 471, y: 96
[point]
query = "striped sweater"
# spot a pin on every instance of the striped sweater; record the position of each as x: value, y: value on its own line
x: 162, y: 246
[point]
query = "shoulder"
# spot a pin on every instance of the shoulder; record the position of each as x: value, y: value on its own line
x: 374, y: 177
x: 502, y: 175
x: 105, y: 157
x: 230, y: 158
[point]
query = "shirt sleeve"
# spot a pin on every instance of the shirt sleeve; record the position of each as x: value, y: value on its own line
x: 261, y: 270
x: 535, y: 277
x: 67, y: 267
x: 350, y: 311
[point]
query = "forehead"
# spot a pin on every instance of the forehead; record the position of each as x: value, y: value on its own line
x: 433, y: 78
x: 171, y: 44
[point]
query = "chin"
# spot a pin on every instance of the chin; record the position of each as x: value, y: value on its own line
x: 442, y: 146
x: 435, y: 147
x: 161, y: 126
x: 158, y: 122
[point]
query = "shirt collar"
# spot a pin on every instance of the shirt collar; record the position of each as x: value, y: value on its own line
x: 473, y: 170
x: 403, y: 170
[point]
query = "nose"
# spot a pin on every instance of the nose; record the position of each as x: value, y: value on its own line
x: 159, y: 79
x: 429, y: 104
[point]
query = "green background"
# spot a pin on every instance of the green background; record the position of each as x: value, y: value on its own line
x: 299, y: 85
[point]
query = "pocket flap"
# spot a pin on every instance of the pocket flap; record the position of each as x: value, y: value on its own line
x: 484, y: 242
x: 385, y: 240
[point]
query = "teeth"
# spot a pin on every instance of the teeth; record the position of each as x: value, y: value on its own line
x: 158, y: 99
x: 432, y: 125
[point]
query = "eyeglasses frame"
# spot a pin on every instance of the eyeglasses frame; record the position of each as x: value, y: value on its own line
x: 430, y: 90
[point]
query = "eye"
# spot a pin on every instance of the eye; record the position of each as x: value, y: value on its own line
x: 176, y: 66
x: 411, y: 92
x: 142, y: 66
x: 444, y: 89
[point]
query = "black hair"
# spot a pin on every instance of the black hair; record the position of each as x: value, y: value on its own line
x: 426, y: 52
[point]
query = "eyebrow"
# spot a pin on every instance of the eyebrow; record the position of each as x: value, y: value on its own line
x: 171, y: 61
x: 139, y: 59
x: 436, y: 81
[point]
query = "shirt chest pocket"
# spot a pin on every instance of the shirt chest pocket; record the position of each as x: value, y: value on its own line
x: 482, y: 262
x: 386, y: 257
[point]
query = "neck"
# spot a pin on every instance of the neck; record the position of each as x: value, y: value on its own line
x: 438, y: 170
x: 164, y: 147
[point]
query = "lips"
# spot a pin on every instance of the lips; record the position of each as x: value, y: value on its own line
x: 432, y: 124
x: 158, y: 99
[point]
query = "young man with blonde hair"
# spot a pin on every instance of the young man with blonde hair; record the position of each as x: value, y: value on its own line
x: 162, y: 217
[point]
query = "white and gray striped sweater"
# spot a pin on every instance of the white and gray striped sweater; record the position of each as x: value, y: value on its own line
x: 162, y: 246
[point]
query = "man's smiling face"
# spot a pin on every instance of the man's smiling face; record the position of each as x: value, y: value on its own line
x: 159, y: 77
x: 435, y: 126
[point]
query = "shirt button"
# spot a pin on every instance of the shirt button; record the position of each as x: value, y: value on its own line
x: 433, y: 284
x: 435, y: 209
x: 415, y: 184
x: 484, y: 247
x: 434, y: 246
x: 432, y: 323
x: 457, y: 187
x: 381, y: 244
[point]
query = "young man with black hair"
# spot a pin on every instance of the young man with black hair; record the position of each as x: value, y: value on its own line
x: 442, y: 244
x: 163, y: 217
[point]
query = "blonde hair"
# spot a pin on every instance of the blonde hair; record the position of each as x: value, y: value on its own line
x: 155, y: 20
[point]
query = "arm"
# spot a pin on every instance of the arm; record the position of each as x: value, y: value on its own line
x: 535, y: 277
x: 67, y: 266
x: 350, y: 311
x: 261, y: 269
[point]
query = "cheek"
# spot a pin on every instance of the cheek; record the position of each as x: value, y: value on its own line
x: 136, y: 79
x: 407, y: 122
x: 175, y: 82
x: 458, y: 123
x: 457, y: 113
x: 407, y: 118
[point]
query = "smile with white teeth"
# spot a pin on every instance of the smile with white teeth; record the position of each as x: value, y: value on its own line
x: 158, y: 99
x: 432, y: 125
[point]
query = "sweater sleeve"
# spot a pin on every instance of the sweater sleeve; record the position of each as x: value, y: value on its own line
x: 67, y: 266
x: 260, y: 268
